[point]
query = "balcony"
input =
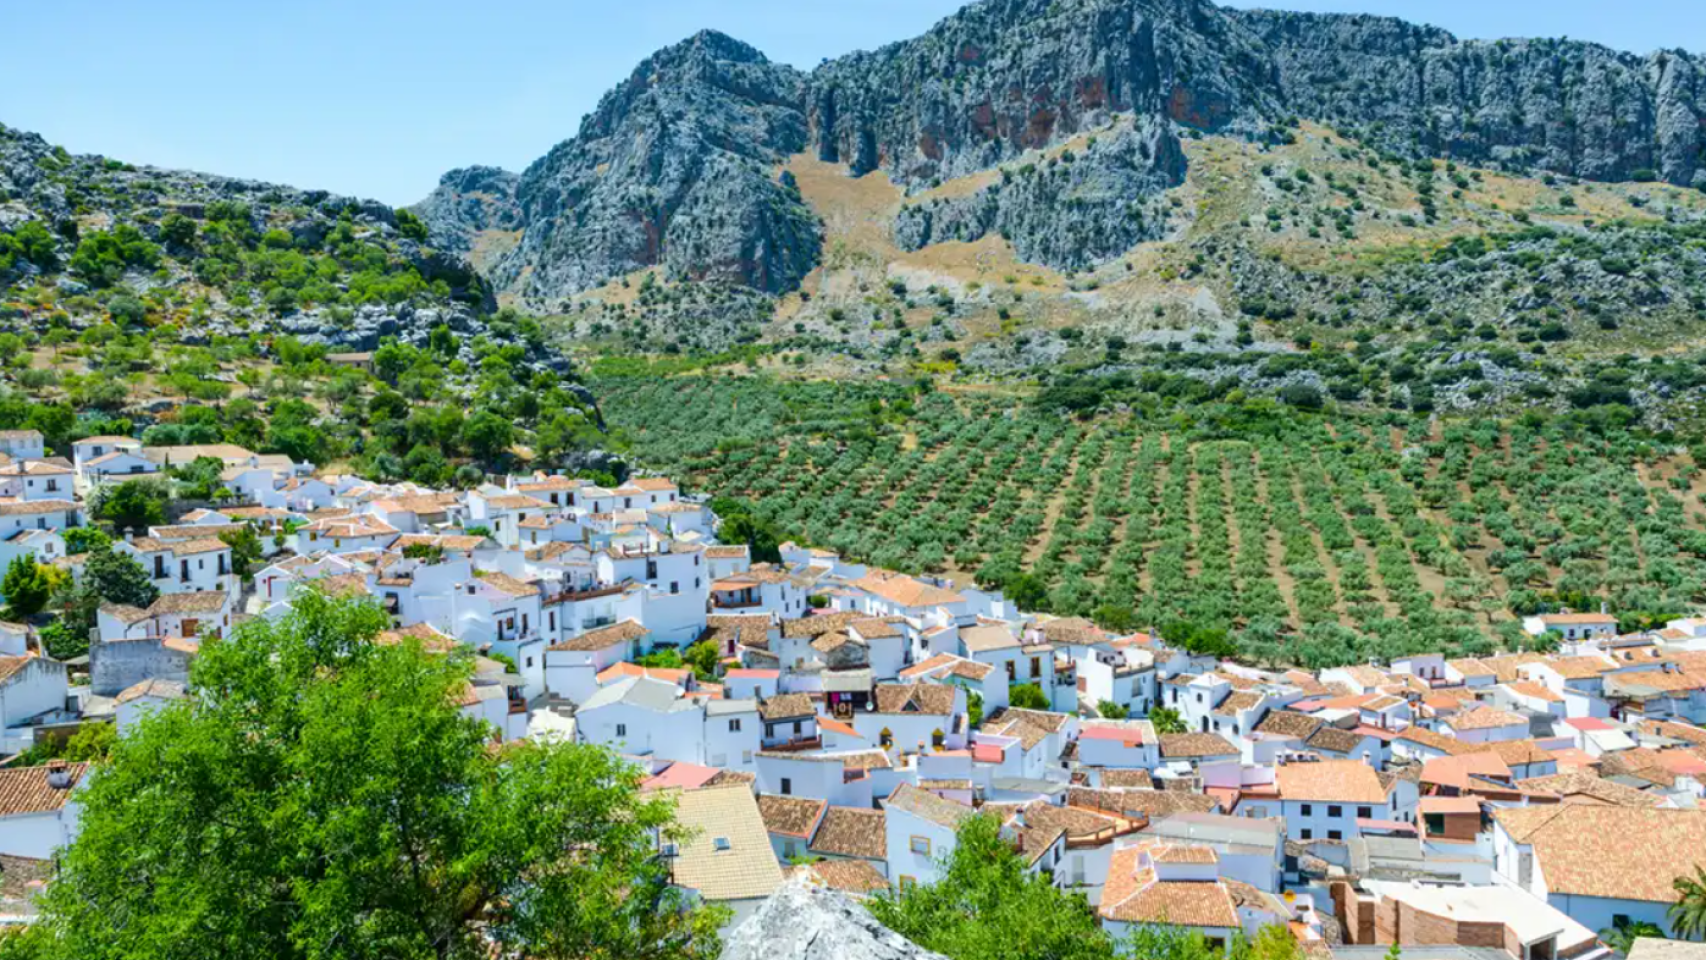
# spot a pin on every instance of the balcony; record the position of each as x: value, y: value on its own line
x: 596, y: 622
x: 796, y: 745
x: 583, y: 593
x: 735, y: 604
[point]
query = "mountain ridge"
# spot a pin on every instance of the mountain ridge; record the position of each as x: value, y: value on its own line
x: 1001, y: 77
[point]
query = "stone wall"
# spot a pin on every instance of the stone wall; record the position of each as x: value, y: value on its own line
x: 117, y: 664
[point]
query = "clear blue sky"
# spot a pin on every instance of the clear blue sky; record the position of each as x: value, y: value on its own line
x: 379, y: 97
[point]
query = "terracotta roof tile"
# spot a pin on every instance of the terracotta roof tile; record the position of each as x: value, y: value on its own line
x: 1614, y: 852
x: 928, y: 806
x: 25, y: 790
x: 604, y: 637
x: 852, y: 832
x: 1350, y: 781
x: 791, y: 816
x: 1195, y: 745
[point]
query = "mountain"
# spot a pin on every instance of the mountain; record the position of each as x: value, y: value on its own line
x: 680, y: 166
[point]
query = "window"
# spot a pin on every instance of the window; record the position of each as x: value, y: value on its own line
x: 734, y: 725
x: 1335, y: 835
x: 907, y: 883
x: 1308, y: 810
x: 1335, y: 810
x: 787, y: 787
x: 1308, y: 834
x: 675, y: 586
x: 796, y: 728
x: 621, y: 729
x: 1012, y: 674
x: 1620, y: 920
x: 1199, y: 696
x: 920, y: 846
x: 746, y: 756
x: 529, y: 662
x: 1036, y: 666
x: 1365, y: 812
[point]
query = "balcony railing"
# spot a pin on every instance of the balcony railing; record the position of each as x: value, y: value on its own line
x: 796, y: 745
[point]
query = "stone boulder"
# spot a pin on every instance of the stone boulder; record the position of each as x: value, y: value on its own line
x: 807, y: 921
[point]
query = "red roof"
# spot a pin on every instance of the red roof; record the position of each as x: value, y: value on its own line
x: 1130, y: 736
x: 687, y: 776
x: 751, y: 674
x: 987, y: 753
x: 1588, y: 723
x: 1375, y: 732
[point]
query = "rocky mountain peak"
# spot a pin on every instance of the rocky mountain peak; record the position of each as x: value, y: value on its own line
x: 676, y: 168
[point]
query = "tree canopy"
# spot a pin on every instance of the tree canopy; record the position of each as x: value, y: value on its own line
x: 321, y: 795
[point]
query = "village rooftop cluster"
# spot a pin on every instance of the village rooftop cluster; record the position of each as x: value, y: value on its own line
x: 849, y: 719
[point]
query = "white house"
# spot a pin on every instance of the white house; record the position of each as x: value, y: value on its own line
x: 920, y: 828
x: 644, y: 717
x: 37, y: 514
x: 572, y: 666
x: 38, y: 814
x: 36, y: 480
x: 1571, y: 626
x: 202, y: 565
x: 23, y: 444
x: 1600, y: 864
x: 144, y: 697
x: 1484, y: 724
x: 30, y: 686
x: 350, y: 534
x: 1121, y: 744
x: 914, y: 717
x: 1324, y: 799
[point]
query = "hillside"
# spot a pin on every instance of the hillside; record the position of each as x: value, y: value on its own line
x: 1315, y: 538
x: 1045, y: 188
x: 205, y: 307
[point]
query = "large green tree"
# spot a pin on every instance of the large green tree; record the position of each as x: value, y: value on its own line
x: 322, y: 796
x: 134, y: 505
x: 26, y: 587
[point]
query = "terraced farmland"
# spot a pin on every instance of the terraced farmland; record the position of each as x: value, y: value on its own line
x: 1309, y: 538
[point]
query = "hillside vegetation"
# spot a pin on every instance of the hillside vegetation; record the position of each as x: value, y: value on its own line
x: 195, y: 308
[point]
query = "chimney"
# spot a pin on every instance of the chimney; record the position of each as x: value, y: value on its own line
x: 58, y: 775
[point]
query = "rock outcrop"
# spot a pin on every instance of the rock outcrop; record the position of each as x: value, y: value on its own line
x: 1004, y: 76
x: 1074, y: 211
x: 677, y: 167
x: 1560, y: 105
x: 469, y: 203
x: 805, y: 921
